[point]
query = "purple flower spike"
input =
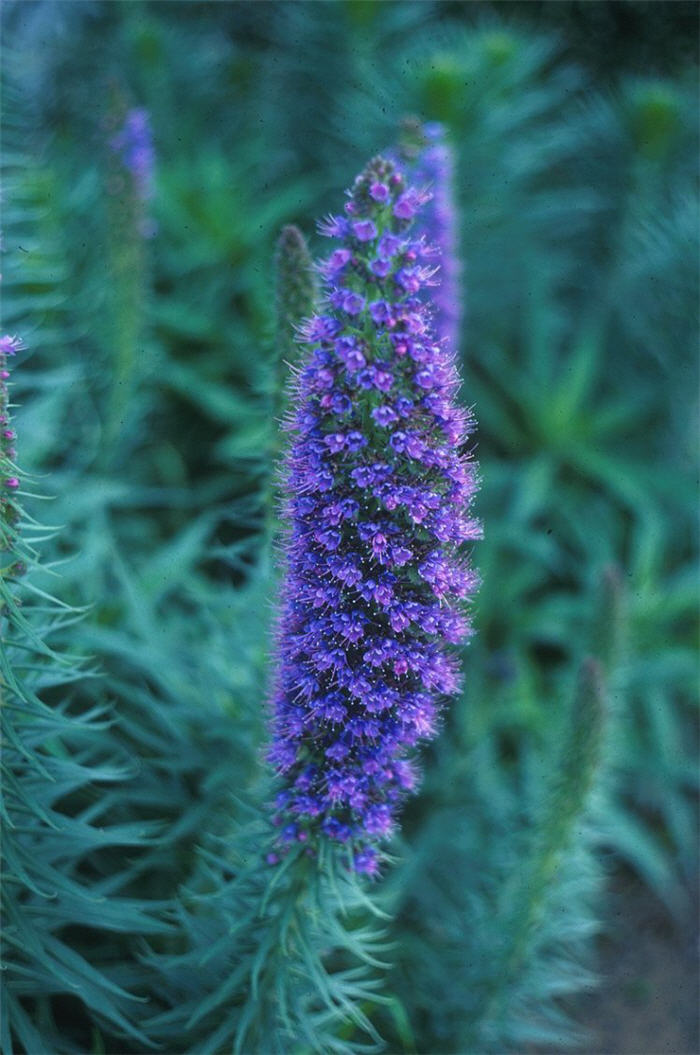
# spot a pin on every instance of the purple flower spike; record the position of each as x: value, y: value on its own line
x: 134, y: 144
x: 427, y: 159
x: 377, y: 498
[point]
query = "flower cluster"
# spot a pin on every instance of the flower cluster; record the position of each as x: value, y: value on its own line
x: 378, y: 492
x: 134, y: 146
x: 427, y: 159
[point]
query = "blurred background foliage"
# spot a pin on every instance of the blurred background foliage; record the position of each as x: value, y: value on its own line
x: 145, y: 394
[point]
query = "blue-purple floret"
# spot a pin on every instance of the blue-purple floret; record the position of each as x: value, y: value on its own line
x: 378, y: 494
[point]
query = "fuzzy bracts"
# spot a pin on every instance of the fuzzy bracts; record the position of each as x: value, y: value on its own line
x: 378, y: 491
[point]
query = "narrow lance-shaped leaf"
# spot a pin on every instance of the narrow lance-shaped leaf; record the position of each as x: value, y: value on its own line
x: 277, y: 960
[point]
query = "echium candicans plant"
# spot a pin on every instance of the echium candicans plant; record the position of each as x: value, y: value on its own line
x: 379, y: 484
x: 426, y: 157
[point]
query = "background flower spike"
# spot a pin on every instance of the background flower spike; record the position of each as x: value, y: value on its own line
x: 130, y: 168
x: 425, y: 155
x: 559, y: 869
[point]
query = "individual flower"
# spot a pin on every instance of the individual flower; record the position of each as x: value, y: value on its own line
x: 378, y: 485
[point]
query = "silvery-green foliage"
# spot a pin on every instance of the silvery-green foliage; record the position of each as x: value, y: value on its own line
x: 60, y: 762
x: 270, y: 960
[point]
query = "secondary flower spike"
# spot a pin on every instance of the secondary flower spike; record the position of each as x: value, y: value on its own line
x: 134, y: 145
x: 378, y: 495
x: 426, y: 158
